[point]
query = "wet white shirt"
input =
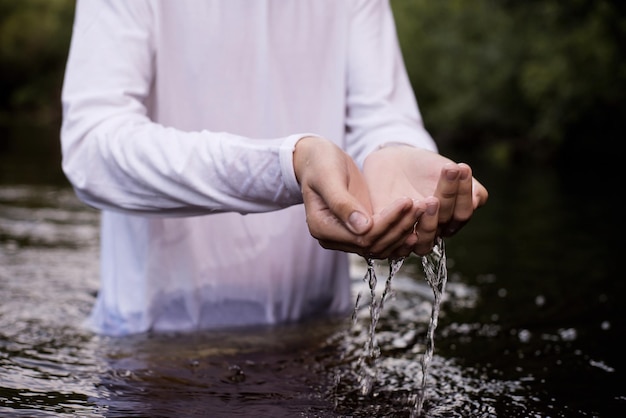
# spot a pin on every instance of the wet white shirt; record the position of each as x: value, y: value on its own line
x: 180, y: 119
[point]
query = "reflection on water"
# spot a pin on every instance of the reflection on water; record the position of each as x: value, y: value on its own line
x: 526, y: 330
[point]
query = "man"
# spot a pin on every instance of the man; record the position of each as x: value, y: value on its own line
x: 200, y: 128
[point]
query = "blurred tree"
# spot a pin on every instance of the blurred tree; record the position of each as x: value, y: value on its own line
x: 574, y: 76
x: 522, y: 77
x: 34, y: 40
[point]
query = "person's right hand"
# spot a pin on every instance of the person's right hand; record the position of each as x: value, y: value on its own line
x: 337, y: 203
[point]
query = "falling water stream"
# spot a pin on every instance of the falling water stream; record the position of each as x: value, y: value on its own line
x: 367, y: 362
x: 435, y: 271
x: 436, y: 274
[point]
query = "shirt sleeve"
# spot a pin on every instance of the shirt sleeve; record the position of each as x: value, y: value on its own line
x: 117, y: 158
x: 381, y: 106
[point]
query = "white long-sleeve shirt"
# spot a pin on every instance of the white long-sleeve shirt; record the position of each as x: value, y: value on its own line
x: 180, y: 119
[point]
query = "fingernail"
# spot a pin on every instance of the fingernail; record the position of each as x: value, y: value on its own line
x: 431, y: 208
x: 357, y: 221
x: 452, y: 174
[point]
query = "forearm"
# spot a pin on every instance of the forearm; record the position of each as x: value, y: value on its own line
x: 117, y: 153
x: 147, y: 168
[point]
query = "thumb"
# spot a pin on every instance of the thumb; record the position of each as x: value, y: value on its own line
x: 358, y: 222
x: 332, y: 186
x: 350, y: 202
x: 336, y: 216
x: 342, y: 205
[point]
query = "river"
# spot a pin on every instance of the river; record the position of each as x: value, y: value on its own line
x: 530, y: 326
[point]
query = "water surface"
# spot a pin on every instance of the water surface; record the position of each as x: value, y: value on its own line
x: 530, y: 325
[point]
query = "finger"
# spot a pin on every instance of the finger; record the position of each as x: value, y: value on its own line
x: 464, y: 204
x: 386, y: 227
x: 480, y: 194
x: 426, y: 230
x: 345, y: 247
x: 391, y: 227
x: 446, y: 191
x: 325, y: 225
x: 451, y: 228
x: 401, y: 237
x: 346, y: 202
x: 343, y: 192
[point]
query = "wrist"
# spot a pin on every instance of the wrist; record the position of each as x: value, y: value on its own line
x: 302, y: 153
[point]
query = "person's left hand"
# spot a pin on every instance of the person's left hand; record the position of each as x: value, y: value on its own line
x: 444, y: 191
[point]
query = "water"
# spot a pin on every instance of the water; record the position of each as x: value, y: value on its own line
x: 530, y: 323
x: 51, y: 366
x: 367, y: 363
x: 436, y: 274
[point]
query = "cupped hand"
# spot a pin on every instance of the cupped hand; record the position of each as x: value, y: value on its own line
x: 444, y: 193
x: 339, y: 211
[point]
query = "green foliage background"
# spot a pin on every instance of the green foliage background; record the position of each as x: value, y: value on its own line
x: 520, y: 80
x: 34, y: 41
x: 514, y: 80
